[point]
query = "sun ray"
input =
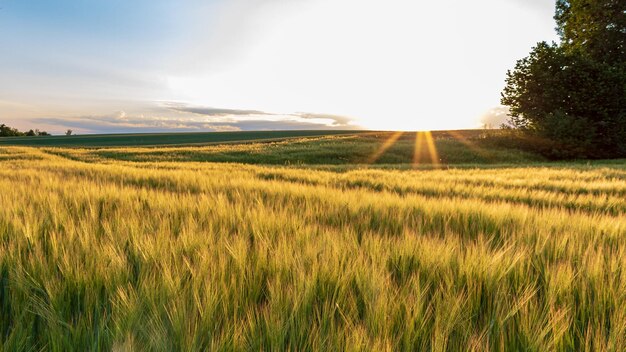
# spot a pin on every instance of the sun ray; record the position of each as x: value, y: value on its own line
x: 432, y: 149
x: 419, y: 141
x: 383, y: 148
x: 468, y: 143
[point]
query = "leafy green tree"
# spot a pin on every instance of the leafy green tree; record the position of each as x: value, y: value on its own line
x: 573, y: 94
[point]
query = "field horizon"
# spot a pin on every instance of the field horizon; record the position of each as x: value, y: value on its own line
x: 300, y: 147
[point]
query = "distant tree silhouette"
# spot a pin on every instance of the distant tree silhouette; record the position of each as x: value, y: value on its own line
x: 573, y: 94
x: 6, y: 131
x: 69, y: 132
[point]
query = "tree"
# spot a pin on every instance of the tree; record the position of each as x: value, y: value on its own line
x: 68, y: 132
x: 6, y: 131
x: 573, y: 94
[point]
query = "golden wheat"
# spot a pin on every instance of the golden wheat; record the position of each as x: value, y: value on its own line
x: 105, y: 254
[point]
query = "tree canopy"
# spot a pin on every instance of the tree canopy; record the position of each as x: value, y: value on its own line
x: 596, y: 28
x: 573, y: 93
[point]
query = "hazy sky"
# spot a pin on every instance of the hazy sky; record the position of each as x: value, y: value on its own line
x: 155, y: 65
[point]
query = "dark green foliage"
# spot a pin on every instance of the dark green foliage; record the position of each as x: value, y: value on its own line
x: 32, y: 133
x: 158, y: 139
x: 572, y: 96
x: 596, y: 28
x: 6, y: 131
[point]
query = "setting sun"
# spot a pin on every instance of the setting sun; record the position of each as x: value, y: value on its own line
x: 274, y: 65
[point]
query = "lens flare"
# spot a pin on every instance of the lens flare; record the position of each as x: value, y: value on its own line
x: 468, y: 143
x: 419, y: 141
x: 386, y: 145
x: 424, y: 142
x: 432, y: 149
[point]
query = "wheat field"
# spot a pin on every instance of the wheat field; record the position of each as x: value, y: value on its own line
x: 105, y: 254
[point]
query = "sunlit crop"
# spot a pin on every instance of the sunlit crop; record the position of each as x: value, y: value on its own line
x: 99, y: 252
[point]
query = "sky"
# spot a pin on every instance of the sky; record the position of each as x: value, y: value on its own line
x: 116, y: 66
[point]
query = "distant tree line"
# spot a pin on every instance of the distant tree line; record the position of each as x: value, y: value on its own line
x: 6, y: 131
x: 568, y: 99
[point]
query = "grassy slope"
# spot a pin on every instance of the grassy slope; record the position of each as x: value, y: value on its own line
x: 123, y: 252
x: 345, y: 149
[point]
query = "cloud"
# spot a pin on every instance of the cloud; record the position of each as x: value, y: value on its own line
x: 319, y: 118
x: 117, y: 123
x: 495, y: 117
x: 337, y: 120
x: 104, y: 125
x: 210, y: 111
x: 179, y: 117
x: 267, y: 125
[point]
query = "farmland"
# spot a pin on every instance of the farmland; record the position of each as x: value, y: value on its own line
x: 161, y: 139
x: 375, y: 241
x: 338, y: 148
